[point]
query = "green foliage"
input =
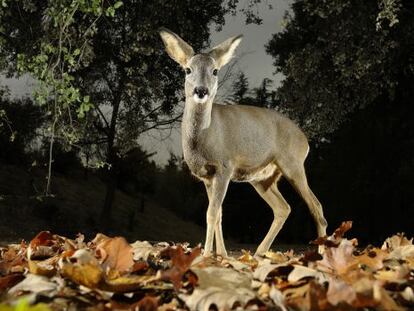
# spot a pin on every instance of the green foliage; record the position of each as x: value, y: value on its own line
x: 388, y: 13
x: 23, y: 305
x: 57, y: 50
x: 62, y: 49
x: 16, y: 133
x: 336, y: 59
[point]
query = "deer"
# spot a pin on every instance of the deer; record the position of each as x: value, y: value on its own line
x: 239, y: 143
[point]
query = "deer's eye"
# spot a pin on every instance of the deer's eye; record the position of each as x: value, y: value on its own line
x: 187, y: 71
x: 215, y: 72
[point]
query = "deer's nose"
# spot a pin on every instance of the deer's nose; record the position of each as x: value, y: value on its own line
x: 201, y: 91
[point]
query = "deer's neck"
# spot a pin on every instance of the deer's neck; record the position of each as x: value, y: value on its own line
x: 196, y: 119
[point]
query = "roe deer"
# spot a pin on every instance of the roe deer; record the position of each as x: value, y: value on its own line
x: 237, y: 143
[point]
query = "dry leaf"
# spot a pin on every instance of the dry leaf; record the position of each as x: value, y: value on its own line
x: 338, y: 260
x: 125, y: 284
x: 116, y: 254
x: 219, y: 286
x: 223, y: 299
x: 372, y: 258
x: 143, y: 249
x: 43, y: 267
x: 277, y: 257
x: 396, y: 241
x: 9, y: 281
x: 277, y: 298
x: 181, y: 262
x: 301, y: 272
x: 82, y: 268
x: 13, y: 259
x: 339, y: 291
x: 44, y: 245
x: 148, y: 303
x: 36, y: 284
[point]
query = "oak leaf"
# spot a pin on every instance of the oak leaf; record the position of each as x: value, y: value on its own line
x: 180, y: 263
x: 221, y: 287
x: 116, y: 254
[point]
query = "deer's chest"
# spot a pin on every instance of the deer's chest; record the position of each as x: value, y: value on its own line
x: 198, y: 159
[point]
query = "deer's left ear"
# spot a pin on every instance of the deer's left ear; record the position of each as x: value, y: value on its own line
x: 223, y: 52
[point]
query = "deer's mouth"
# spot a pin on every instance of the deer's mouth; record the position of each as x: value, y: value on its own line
x: 200, y: 100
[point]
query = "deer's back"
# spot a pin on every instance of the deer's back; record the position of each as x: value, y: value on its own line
x: 255, y: 133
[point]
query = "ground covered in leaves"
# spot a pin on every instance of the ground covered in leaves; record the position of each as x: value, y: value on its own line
x: 56, y: 273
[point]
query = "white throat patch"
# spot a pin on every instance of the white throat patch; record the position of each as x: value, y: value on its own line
x: 199, y: 100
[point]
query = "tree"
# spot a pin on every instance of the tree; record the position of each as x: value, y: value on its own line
x: 263, y: 97
x: 112, y: 70
x: 240, y: 87
x: 16, y: 133
x: 339, y: 56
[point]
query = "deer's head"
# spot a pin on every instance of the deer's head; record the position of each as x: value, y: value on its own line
x: 201, y: 70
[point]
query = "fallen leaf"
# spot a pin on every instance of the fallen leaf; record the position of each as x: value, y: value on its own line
x: 277, y: 297
x: 223, y: 299
x: 396, y: 241
x: 221, y: 287
x: 278, y: 257
x: 82, y: 268
x: 143, y: 249
x: 237, y: 264
x: 343, y: 228
x: 125, y: 284
x: 13, y: 259
x: 307, y: 297
x: 338, y: 260
x: 408, y: 294
x: 44, y: 245
x: 180, y: 262
x: 384, y: 299
x: 36, y: 284
x: 172, y: 305
x: 116, y: 254
x: 340, y: 292
x: 265, y: 268
x: 301, y: 272
x: 148, y: 303
x: 372, y: 258
x: 43, y: 267
x: 334, y: 239
x: 9, y: 281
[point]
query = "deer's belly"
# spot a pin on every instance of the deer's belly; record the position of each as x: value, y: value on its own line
x: 254, y: 174
x: 205, y: 170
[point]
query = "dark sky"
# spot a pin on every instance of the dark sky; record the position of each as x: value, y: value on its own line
x: 255, y: 63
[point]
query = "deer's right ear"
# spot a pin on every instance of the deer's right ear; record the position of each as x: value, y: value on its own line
x: 177, y: 48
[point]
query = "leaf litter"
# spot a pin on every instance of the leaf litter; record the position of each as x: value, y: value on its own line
x: 108, y: 273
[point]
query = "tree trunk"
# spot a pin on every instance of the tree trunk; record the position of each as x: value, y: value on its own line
x: 111, y: 185
x: 112, y: 159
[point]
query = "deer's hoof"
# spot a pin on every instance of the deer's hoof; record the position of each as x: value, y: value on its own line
x: 207, y: 254
x: 222, y: 254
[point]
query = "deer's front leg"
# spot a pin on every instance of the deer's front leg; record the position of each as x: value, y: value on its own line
x: 218, y: 231
x: 217, y: 190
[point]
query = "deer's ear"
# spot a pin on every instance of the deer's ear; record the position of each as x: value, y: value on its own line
x: 223, y: 52
x: 177, y: 48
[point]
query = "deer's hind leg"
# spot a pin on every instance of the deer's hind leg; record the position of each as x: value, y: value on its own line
x: 268, y: 190
x: 295, y: 174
